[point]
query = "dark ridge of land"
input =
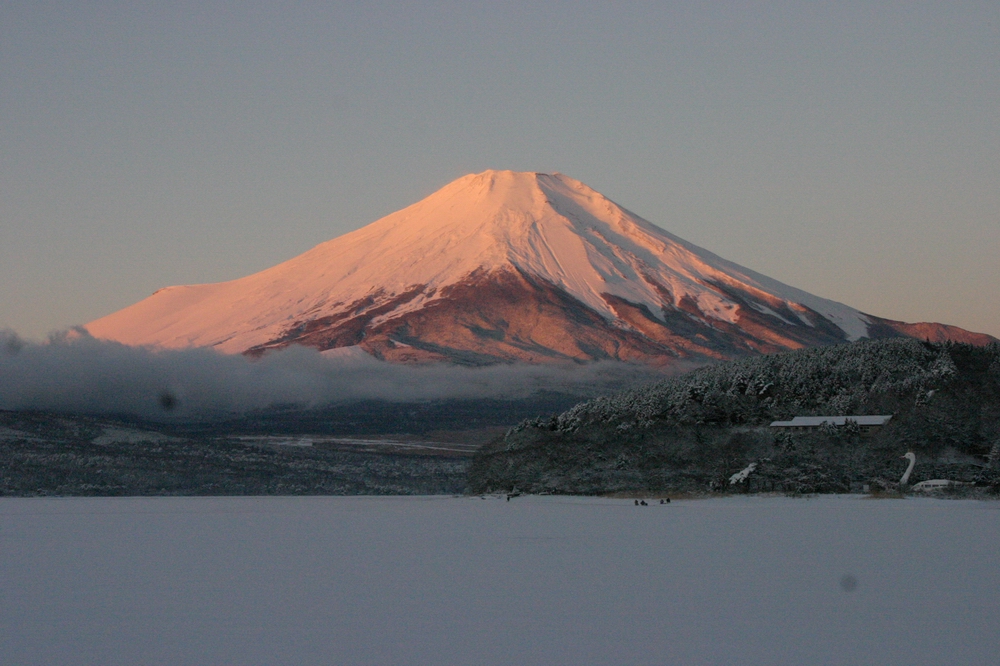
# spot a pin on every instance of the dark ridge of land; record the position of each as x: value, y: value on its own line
x: 377, y: 417
x: 692, y: 433
x: 45, y: 454
x: 362, y: 448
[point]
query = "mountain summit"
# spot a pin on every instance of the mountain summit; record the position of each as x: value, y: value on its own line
x: 504, y: 266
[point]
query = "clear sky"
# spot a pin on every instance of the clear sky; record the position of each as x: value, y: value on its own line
x: 848, y: 149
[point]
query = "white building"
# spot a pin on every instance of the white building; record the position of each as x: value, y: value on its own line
x: 866, y: 422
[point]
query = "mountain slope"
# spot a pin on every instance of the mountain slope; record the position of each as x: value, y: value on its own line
x: 499, y: 266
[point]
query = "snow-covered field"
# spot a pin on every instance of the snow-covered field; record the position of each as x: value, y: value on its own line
x: 537, y: 580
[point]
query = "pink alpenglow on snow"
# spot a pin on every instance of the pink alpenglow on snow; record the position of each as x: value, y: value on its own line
x: 504, y: 266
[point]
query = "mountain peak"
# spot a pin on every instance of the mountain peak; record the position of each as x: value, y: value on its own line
x: 497, y: 266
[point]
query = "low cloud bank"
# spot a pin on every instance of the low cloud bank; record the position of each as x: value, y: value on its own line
x: 74, y: 372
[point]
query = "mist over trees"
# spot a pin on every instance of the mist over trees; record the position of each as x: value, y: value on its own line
x: 79, y: 374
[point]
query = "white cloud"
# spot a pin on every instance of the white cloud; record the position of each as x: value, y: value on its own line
x: 77, y: 373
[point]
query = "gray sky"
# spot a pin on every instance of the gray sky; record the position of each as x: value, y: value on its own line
x: 849, y: 149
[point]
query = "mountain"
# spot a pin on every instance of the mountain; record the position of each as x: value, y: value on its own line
x: 505, y: 266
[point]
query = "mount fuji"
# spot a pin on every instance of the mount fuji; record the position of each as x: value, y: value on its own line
x: 505, y: 266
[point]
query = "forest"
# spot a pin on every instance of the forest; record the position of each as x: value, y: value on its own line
x: 698, y: 432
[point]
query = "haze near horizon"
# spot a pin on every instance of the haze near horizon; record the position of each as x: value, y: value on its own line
x: 851, y: 152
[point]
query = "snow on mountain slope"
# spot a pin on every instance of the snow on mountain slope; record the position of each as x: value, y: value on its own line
x: 496, y: 266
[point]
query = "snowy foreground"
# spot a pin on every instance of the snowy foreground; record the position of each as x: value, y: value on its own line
x: 538, y: 580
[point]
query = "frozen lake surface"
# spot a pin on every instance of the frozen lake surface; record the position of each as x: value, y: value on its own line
x: 537, y: 580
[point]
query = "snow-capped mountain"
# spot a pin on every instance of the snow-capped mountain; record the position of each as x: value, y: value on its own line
x: 504, y: 266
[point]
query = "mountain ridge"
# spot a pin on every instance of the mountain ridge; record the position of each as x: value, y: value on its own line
x: 502, y: 266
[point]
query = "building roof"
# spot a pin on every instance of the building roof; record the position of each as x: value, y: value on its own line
x: 816, y: 421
